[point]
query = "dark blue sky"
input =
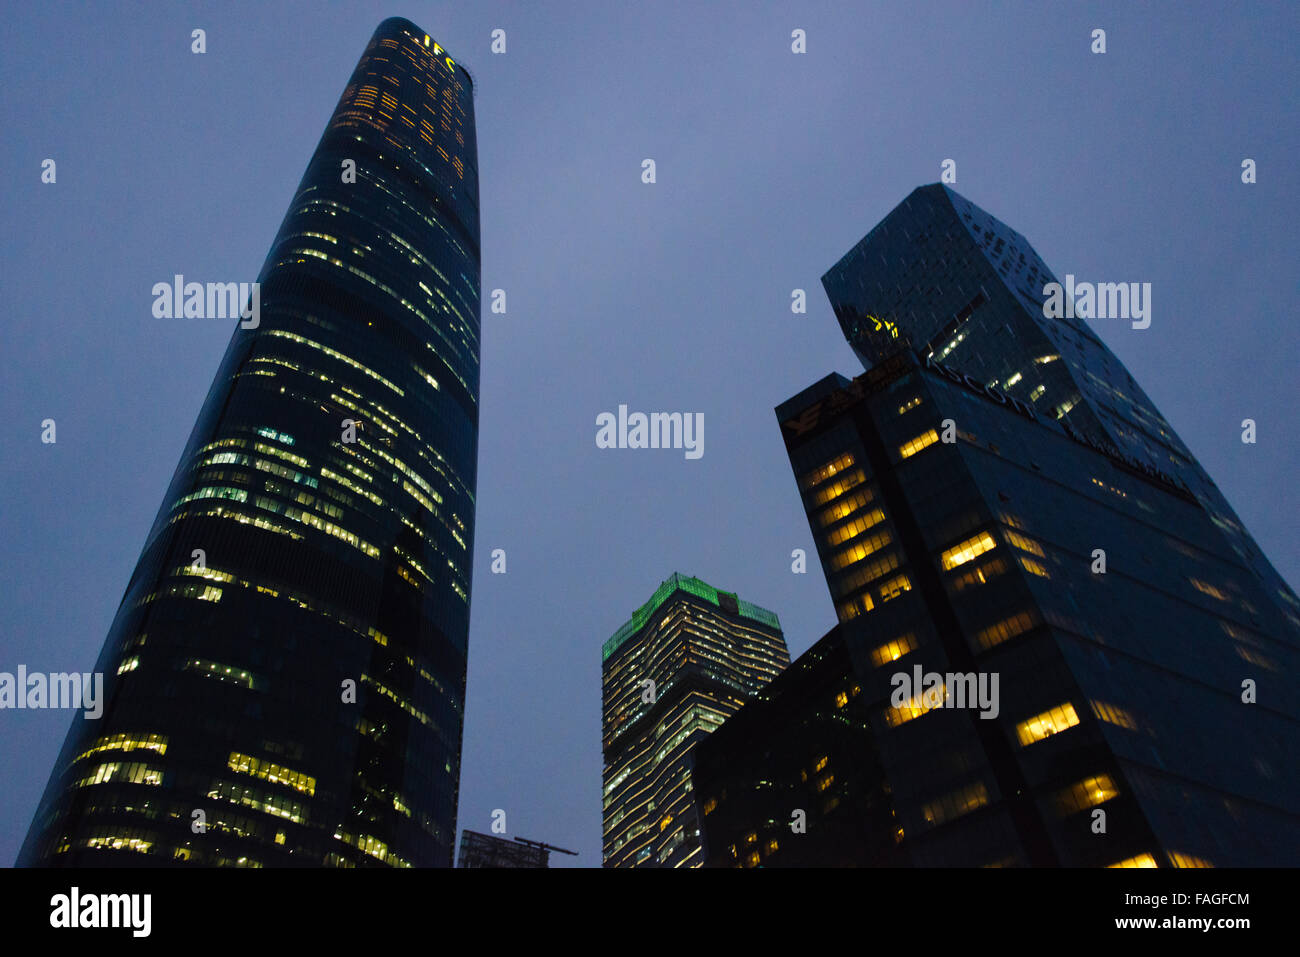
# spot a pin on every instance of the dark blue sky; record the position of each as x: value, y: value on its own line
x: 671, y: 297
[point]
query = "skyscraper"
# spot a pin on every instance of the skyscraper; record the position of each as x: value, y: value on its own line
x: 1061, y: 660
x: 285, y: 675
x: 960, y: 286
x: 687, y: 659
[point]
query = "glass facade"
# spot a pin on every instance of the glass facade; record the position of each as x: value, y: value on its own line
x: 945, y: 277
x: 285, y: 676
x: 1141, y: 668
x: 792, y: 779
x: 685, y: 661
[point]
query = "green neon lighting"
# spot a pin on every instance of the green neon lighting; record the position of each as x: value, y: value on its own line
x: 692, y: 586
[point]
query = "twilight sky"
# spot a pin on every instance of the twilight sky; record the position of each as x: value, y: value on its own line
x: 667, y: 297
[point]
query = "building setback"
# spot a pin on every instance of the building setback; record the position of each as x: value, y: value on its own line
x: 685, y: 662
x: 285, y: 675
x: 1155, y: 691
x: 955, y: 283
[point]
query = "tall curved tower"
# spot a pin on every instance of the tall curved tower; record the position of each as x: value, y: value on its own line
x: 285, y: 676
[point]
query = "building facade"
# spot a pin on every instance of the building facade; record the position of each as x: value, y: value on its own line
x: 945, y: 277
x: 685, y: 661
x: 792, y: 779
x: 285, y: 675
x: 488, y: 850
x: 1062, y: 660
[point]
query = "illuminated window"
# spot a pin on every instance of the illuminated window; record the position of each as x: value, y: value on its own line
x: 922, y: 441
x: 1142, y: 860
x: 821, y: 763
x: 909, y: 405
x: 860, y: 550
x: 967, y: 551
x: 1046, y: 724
x: 834, y: 467
x: 841, y: 700
x: 1024, y: 544
x: 1038, y: 390
x: 838, y: 487
x: 915, y: 707
x: 1205, y: 588
x: 1112, y: 714
x: 895, y: 587
x: 986, y: 638
x: 980, y: 575
x: 956, y: 804
x: 268, y: 771
x: 1033, y: 567
x: 127, y: 741
x: 845, y: 507
x: 894, y: 650
x: 1087, y: 793
x: 117, y: 773
x: 1187, y: 860
x: 855, y: 527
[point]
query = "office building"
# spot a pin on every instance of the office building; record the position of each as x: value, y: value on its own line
x: 686, y: 661
x: 285, y: 675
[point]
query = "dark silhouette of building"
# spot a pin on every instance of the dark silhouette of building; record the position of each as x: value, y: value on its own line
x: 942, y: 275
x: 686, y: 660
x: 285, y: 675
x: 1062, y: 660
x: 487, y: 850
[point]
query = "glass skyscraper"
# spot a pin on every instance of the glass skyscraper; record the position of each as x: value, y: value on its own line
x: 686, y: 661
x: 285, y: 675
x: 1112, y: 686
x: 957, y: 284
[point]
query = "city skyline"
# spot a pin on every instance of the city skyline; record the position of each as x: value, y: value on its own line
x: 671, y: 296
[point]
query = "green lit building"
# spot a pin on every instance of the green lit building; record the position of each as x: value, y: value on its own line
x: 685, y: 662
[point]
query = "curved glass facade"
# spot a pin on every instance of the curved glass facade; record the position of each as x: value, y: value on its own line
x: 289, y: 657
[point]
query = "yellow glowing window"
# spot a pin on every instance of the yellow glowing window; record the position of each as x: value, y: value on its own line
x: 838, y: 487
x: 1087, y: 793
x: 967, y: 551
x: 894, y: 650
x: 269, y: 771
x: 1024, y: 544
x: 772, y: 845
x: 980, y: 575
x: 915, y: 707
x: 710, y: 806
x: 841, y: 700
x: 855, y: 527
x: 986, y: 638
x: 860, y: 550
x: 821, y: 763
x: 1033, y: 567
x: 923, y: 441
x: 909, y: 405
x: 1112, y: 714
x: 1188, y: 860
x: 1205, y: 588
x: 825, y: 782
x: 845, y: 507
x: 1046, y: 724
x: 127, y: 741
x: 751, y: 837
x: 1141, y: 860
x: 664, y: 822
x: 895, y: 587
x: 753, y: 859
x: 834, y: 467
x: 956, y: 804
